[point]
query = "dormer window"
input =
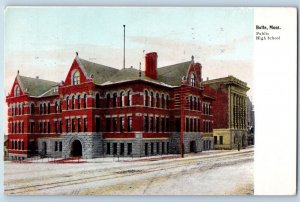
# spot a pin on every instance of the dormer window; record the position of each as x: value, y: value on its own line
x: 192, y: 79
x: 17, y: 91
x: 76, y: 77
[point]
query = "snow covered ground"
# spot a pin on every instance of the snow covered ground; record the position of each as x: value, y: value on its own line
x: 206, y: 173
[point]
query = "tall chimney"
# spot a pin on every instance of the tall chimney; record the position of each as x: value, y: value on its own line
x: 151, y: 65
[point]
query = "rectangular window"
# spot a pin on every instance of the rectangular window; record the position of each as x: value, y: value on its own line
x: 115, y: 122
x: 162, y: 147
x: 121, y: 124
x: 56, y: 146
x: 40, y: 127
x: 167, y: 125
x: 45, y: 127
x: 67, y: 125
x: 157, y: 124
x: 115, y: 148
x: 129, y: 148
x: 215, y: 139
x: 84, y: 124
x: 108, y: 148
x: 60, y: 126
x: 122, y: 149
x: 146, y: 124
x: 221, y: 139
x: 49, y: 128
x: 129, y: 123
x: 108, y: 124
x: 152, y: 148
x: 187, y: 124
x: 157, y: 148
x: 168, y: 147
x: 73, y: 125
x: 177, y: 124
x: 146, y: 149
x: 151, y: 124
x: 31, y: 127
x: 55, y: 126
x: 97, y: 125
x: 60, y: 146
x: 162, y: 124
x: 79, y: 125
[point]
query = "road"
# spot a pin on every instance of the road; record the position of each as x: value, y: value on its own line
x: 205, y: 173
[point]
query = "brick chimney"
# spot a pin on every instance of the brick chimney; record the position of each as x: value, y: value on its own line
x: 151, y: 65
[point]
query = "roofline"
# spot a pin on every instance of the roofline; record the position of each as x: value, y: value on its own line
x: 228, y: 80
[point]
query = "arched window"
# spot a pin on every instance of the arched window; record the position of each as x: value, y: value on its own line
x: 157, y: 100
x: 41, y: 108
x: 23, y: 145
x: 192, y: 79
x: 49, y: 108
x: 19, y: 109
x: 45, y: 108
x: 67, y: 102
x: 167, y: 102
x: 73, y: 101
x: 17, y: 91
x: 115, y: 99
x: 22, y: 108
x: 146, y: 98
x: 84, y: 100
x: 151, y: 99
x: 32, y: 108
x: 76, y: 77
x: 163, y: 101
x: 121, y: 99
x: 129, y: 98
x: 107, y: 100
x: 195, y: 103
x: 56, y: 107
x: 78, y: 102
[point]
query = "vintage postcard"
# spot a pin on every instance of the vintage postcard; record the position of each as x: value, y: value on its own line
x: 141, y: 101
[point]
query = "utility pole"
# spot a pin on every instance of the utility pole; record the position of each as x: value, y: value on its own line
x: 124, y: 49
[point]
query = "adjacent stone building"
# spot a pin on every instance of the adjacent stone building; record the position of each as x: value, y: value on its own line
x: 230, y: 108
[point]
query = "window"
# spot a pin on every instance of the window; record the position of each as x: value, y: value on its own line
x: 157, y: 100
x: 56, y: 107
x: 195, y: 103
x: 78, y: 102
x: 157, y: 124
x: 108, y: 148
x: 129, y: 123
x: 67, y: 125
x: 152, y: 148
x: 146, y: 98
x: 73, y: 102
x: 60, y: 146
x: 129, y: 98
x: 84, y: 100
x: 115, y: 148
x: 187, y: 125
x: 67, y: 102
x: 167, y: 125
x: 23, y: 145
x: 49, y: 129
x: 191, y: 102
x: 146, y: 149
x: 129, y: 148
x: 146, y: 124
x: 97, y: 125
x: 221, y: 139
x: 17, y: 91
x: 151, y: 124
x: 162, y: 124
x: 76, y: 77
x: 56, y: 146
x: 73, y: 125
x: 163, y: 147
x: 121, y: 99
x: 151, y: 99
x: 122, y: 149
x: 108, y: 122
x: 97, y: 100
x: 177, y: 124
x: 31, y: 127
x: 157, y: 147
x: 163, y: 101
x: 55, y: 126
x: 22, y: 109
x: 215, y: 139
x: 60, y: 126
x: 115, y: 124
x: 107, y: 100
x: 84, y: 124
x: 79, y: 125
x: 192, y: 79
x: 167, y: 102
x: 60, y: 110
x: 115, y: 100
x: 49, y: 108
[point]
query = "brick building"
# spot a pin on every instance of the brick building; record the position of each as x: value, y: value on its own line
x: 103, y: 111
x: 230, y: 111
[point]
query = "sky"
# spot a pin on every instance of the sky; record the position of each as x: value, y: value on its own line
x: 43, y: 41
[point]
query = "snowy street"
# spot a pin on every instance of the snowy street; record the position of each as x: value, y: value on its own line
x: 216, y: 172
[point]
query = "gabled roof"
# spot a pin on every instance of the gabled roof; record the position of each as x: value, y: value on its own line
x: 173, y: 74
x: 170, y: 75
x: 37, y: 87
x: 100, y: 73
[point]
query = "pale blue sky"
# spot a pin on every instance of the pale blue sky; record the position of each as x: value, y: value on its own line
x: 43, y: 41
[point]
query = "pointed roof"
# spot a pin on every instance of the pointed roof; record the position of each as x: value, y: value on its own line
x: 37, y: 87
